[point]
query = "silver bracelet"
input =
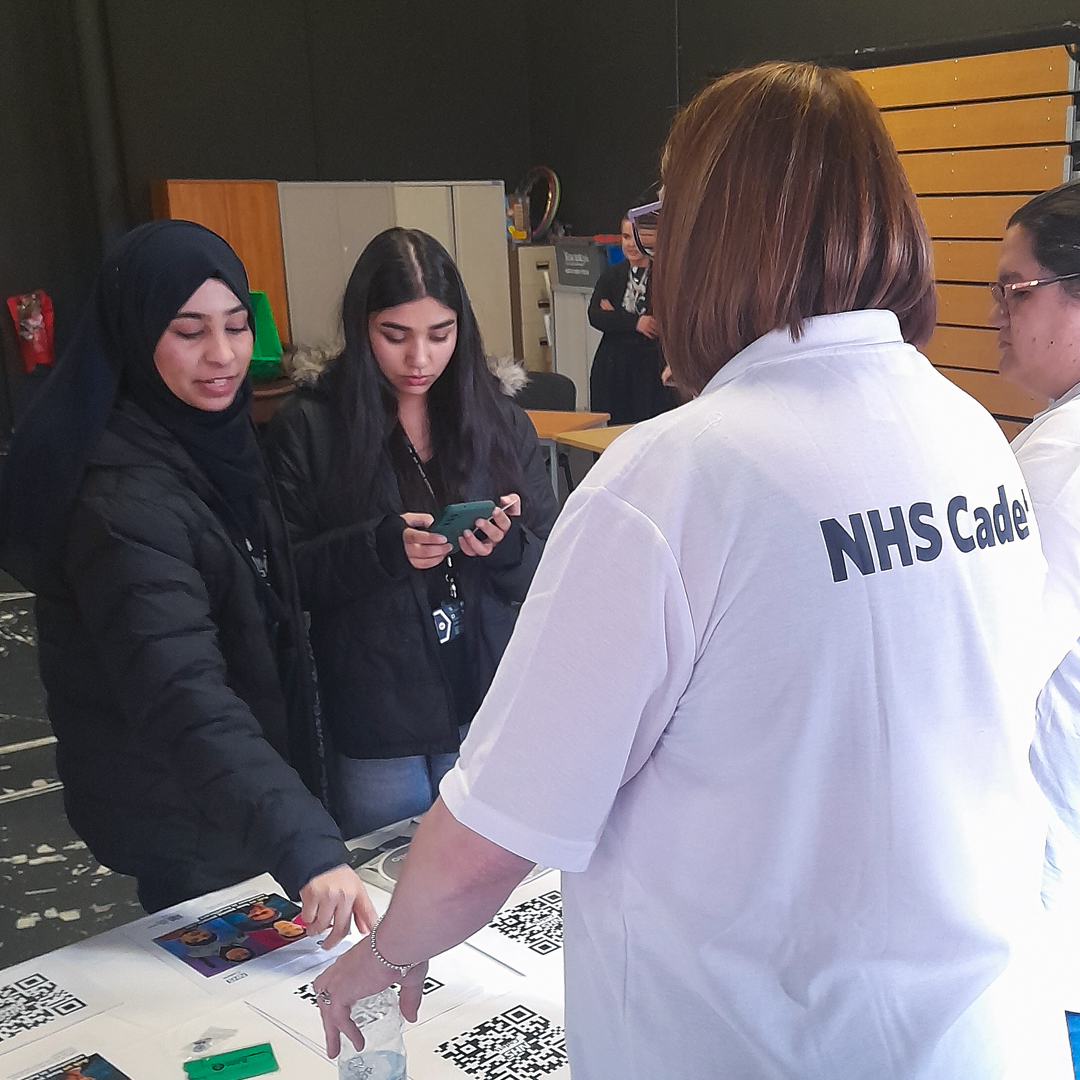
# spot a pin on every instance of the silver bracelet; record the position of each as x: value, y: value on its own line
x: 401, y: 969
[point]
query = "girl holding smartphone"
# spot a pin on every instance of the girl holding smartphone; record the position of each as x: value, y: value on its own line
x: 406, y: 420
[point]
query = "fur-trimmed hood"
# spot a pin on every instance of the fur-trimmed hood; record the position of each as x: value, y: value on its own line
x: 306, y: 364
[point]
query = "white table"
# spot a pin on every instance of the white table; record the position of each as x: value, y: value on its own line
x: 157, y: 1007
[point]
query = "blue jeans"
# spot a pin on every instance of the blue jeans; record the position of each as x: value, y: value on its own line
x: 369, y: 793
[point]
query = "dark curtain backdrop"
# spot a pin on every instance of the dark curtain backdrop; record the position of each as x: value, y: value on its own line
x: 379, y: 90
x: 601, y: 108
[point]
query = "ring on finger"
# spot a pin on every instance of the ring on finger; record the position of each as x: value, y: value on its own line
x: 323, y: 997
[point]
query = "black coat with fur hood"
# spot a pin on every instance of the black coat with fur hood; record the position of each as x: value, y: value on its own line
x: 384, y: 691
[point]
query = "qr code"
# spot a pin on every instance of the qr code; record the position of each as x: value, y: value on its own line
x: 307, y: 991
x: 518, y: 1044
x: 536, y: 923
x: 32, y: 1002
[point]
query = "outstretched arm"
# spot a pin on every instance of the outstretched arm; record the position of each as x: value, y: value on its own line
x: 452, y: 882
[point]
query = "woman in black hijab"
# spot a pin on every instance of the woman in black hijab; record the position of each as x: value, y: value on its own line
x: 172, y: 646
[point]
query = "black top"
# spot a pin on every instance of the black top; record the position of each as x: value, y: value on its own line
x: 625, y: 376
x: 423, y: 491
x: 386, y: 688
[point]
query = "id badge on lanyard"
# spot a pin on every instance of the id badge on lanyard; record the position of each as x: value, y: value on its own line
x: 449, y: 613
x: 447, y: 616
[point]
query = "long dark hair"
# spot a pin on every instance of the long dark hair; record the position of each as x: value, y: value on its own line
x: 469, y: 421
x: 1052, y: 220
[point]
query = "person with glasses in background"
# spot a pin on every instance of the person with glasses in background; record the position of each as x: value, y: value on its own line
x: 1037, y: 315
x: 769, y: 699
x: 625, y: 380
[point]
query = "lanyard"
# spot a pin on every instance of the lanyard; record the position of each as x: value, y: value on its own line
x: 451, y: 580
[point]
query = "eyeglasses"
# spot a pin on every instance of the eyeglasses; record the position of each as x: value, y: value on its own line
x: 643, y: 220
x: 1001, y: 291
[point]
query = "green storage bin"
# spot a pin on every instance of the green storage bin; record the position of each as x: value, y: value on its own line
x: 266, y: 357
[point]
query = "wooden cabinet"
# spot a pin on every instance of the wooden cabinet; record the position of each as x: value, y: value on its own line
x: 245, y: 213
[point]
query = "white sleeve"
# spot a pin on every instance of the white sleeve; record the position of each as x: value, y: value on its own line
x: 1051, y: 468
x: 603, y: 649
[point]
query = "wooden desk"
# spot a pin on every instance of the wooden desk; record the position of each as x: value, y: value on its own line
x: 595, y: 439
x: 267, y: 397
x: 550, y: 423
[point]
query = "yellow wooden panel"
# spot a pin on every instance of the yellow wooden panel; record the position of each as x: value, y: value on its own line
x: 1011, y: 428
x: 964, y: 305
x: 972, y: 78
x: 963, y: 347
x: 1008, y: 169
x: 245, y: 213
x: 996, y: 394
x: 1022, y: 122
x: 966, y: 260
x: 974, y: 216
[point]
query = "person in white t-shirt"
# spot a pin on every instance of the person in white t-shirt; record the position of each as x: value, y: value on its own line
x: 1037, y: 312
x: 768, y: 703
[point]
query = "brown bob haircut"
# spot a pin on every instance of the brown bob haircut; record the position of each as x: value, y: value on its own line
x: 783, y: 198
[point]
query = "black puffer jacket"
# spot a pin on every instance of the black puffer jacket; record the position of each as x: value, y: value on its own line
x: 179, y: 684
x: 383, y: 687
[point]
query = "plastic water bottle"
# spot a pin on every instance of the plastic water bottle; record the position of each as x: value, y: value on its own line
x: 383, y: 1057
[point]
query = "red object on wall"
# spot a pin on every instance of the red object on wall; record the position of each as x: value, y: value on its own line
x: 33, y: 317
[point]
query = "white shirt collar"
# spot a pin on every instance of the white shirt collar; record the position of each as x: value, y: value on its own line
x: 849, y: 328
x: 1055, y: 402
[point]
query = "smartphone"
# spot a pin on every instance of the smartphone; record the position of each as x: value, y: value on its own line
x: 457, y: 517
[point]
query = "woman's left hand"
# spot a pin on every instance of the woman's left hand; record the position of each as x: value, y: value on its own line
x: 355, y: 975
x: 489, y: 532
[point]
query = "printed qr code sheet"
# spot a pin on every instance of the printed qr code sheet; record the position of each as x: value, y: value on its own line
x: 35, y: 1003
x: 516, y: 1037
x: 536, y: 923
x: 453, y: 978
x: 527, y: 934
x: 518, y: 1044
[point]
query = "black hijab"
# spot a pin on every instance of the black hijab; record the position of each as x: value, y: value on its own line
x: 144, y: 282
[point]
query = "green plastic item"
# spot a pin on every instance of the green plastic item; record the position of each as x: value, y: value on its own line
x: 266, y: 358
x: 235, y: 1065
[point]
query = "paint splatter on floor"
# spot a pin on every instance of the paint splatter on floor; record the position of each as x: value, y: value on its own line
x: 52, y: 890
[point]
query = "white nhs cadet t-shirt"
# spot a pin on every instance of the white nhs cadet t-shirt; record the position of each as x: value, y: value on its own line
x: 770, y: 700
x: 1048, y: 450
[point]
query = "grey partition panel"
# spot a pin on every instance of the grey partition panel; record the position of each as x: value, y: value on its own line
x: 324, y: 227
x: 482, y: 258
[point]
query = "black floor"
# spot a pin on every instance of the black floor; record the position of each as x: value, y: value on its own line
x: 52, y: 891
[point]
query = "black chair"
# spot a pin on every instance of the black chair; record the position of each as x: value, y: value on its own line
x: 550, y: 390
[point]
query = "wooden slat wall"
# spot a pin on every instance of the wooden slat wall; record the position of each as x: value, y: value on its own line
x: 989, y: 123
x: 978, y: 217
x: 972, y: 78
x: 244, y: 212
x: 978, y: 136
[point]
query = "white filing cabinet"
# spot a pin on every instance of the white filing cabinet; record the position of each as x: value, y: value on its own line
x: 575, y: 338
x: 325, y: 227
x: 531, y: 279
